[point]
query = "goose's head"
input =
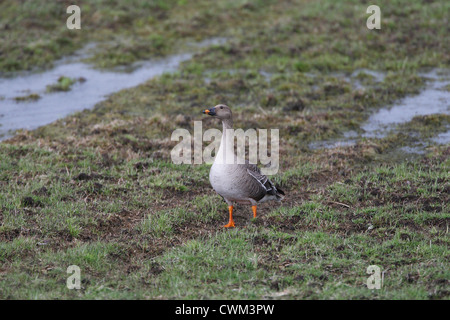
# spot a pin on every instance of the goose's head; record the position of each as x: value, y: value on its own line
x: 220, y: 111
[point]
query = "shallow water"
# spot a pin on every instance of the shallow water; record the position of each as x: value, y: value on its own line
x: 83, y: 95
x: 331, y: 144
x: 415, y: 149
x: 433, y: 99
x: 377, y: 76
x: 442, y: 138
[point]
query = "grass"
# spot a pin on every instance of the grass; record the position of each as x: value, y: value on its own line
x: 63, y: 84
x: 98, y: 189
x: 30, y: 97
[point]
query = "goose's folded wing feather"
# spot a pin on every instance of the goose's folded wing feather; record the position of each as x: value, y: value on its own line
x: 262, y: 179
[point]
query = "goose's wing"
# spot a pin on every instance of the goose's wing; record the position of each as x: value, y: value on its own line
x: 265, y: 183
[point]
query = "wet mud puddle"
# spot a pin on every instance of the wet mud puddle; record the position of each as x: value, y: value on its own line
x: 18, y: 109
x: 433, y: 99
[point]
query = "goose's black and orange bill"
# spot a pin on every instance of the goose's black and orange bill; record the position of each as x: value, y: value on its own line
x: 211, y: 112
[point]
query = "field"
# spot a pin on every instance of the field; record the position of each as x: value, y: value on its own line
x: 98, y: 189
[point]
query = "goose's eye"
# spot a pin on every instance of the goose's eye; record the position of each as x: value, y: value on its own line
x: 221, y: 107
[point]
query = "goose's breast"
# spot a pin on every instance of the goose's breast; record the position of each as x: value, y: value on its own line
x: 224, y: 181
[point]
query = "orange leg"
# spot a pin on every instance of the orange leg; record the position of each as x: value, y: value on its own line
x: 231, y: 222
x: 254, y: 211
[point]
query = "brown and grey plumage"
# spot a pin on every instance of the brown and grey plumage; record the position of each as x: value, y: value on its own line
x: 237, y: 182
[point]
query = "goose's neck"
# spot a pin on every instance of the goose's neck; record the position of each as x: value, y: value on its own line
x: 225, y: 153
x: 227, y: 124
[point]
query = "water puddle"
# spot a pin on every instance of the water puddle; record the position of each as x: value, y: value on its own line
x: 433, y: 99
x: 96, y: 85
x: 377, y: 75
x: 419, y: 149
x: 349, y: 139
x: 358, y: 78
x: 331, y: 144
x: 442, y: 138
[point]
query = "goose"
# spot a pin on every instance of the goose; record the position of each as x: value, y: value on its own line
x: 237, y: 181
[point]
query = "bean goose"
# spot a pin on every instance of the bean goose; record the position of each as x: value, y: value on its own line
x: 237, y: 181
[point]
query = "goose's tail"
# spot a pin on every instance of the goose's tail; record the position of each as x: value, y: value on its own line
x: 279, y: 193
